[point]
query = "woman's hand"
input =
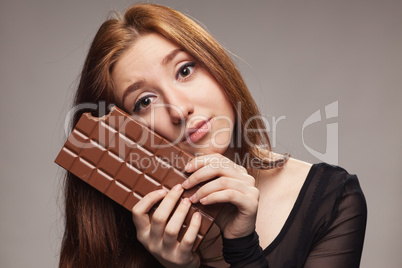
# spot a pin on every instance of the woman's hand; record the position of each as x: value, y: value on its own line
x: 159, y: 234
x: 232, y: 185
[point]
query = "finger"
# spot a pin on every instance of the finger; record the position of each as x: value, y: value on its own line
x: 222, y: 183
x: 162, y: 213
x: 175, y: 223
x: 141, y: 209
x: 247, y: 204
x: 212, y: 170
x: 190, y: 236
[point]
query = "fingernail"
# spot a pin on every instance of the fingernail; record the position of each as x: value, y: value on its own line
x: 185, y: 184
x: 203, y: 200
x: 188, y: 167
x: 162, y: 191
x: 178, y: 187
x: 185, y: 201
x: 192, y: 198
x: 197, y: 215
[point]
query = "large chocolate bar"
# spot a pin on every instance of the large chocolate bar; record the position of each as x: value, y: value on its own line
x: 125, y: 160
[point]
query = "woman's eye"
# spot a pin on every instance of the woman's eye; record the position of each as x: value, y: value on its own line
x: 143, y: 103
x: 186, y: 70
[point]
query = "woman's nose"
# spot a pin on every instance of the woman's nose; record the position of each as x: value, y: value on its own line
x: 179, y: 107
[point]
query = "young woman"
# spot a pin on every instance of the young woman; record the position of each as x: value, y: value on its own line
x: 160, y: 66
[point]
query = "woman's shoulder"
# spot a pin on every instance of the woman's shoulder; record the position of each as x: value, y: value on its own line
x: 298, y: 176
x: 323, y: 177
x: 330, y: 184
x: 321, y: 170
x: 330, y: 188
x: 334, y: 175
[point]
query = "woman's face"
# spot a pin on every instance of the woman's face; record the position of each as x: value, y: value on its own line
x: 174, y: 95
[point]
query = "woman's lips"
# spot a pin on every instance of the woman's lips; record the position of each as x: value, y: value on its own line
x: 195, y: 134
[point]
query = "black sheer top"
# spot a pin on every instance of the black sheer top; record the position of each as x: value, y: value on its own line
x: 325, y: 228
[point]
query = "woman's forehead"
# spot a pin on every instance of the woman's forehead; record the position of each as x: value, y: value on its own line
x: 147, y: 50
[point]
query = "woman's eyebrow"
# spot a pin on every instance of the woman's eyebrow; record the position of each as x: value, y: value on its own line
x: 131, y: 88
x: 169, y: 57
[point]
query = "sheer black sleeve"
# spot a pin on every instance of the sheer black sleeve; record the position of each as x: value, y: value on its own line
x: 340, y: 243
x: 244, y: 252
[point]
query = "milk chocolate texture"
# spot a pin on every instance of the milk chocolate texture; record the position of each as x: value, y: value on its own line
x: 126, y: 160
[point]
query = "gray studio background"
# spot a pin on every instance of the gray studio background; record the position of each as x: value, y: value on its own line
x: 296, y: 56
